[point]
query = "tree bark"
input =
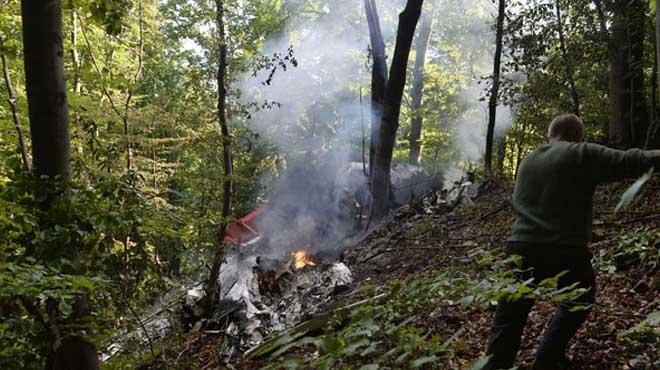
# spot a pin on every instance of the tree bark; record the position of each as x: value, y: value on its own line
x: 639, y: 116
x: 492, y: 103
x: 568, y: 63
x: 619, y: 96
x: 75, y: 56
x: 46, y: 88
x: 605, y: 37
x: 49, y: 129
x: 417, y: 91
x: 129, y: 91
x: 11, y: 99
x: 652, y: 141
x: 212, y: 287
x: 501, y: 154
x: 378, y: 77
x: 380, y: 187
x: 628, y: 124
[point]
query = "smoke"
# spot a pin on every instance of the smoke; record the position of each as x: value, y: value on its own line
x: 316, y: 117
x: 316, y: 122
x: 317, y: 102
x: 469, y: 27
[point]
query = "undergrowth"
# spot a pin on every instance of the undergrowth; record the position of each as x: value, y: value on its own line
x: 388, y: 331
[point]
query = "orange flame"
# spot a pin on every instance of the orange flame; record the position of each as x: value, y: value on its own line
x: 302, y: 259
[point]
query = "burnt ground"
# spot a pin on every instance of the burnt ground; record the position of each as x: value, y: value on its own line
x: 419, y: 241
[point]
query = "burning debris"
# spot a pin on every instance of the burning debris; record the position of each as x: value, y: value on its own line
x: 301, y: 259
x: 282, y: 268
x: 262, y: 292
x: 260, y: 295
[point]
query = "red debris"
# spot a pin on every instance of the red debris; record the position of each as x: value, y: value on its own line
x: 244, y: 229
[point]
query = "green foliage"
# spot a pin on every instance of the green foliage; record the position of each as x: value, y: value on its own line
x: 391, y: 332
x: 100, y: 245
x: 385, y: 334
x: 638, y: 248
x: 30, y: 280
x: 110, y: 14
x: 126, y: 234
x: 146, y: 73
x: 646, y: 334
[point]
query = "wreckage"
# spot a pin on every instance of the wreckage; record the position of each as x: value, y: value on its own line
x: 260, y: 296
x: 283, y: 264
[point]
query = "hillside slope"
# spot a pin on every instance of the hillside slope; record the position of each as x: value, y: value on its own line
x: 425, y: 283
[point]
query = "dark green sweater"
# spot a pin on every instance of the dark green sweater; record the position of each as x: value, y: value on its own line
x: 553, y: 196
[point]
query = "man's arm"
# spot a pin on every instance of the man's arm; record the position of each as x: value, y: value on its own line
x: 608, y: 165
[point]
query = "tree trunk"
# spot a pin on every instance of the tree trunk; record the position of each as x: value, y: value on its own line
x: 378, y: 77
x: 652, y: 141
x: 11, y: 99
x: 212, y: 288
x: 46, y: 88
x: 605, y: 37
x: 417, y: 91
x: 619, y: 95
x: 492, y: 103
x: 628, y: 124
x: 639, y: 116
x: 129, y: 91
x: 49, y: 129
x: 75, y: 56
x: 568, y: 63
x: 501, y: 154
x: 380, y: 187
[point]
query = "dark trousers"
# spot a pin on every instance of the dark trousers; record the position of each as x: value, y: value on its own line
x: 510, y: 317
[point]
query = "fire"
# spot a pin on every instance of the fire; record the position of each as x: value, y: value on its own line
x: 302, y: 259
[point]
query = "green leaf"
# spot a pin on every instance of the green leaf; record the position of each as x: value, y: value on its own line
x: 352, y: 348
x: 292, y: 363
x: 330, y: 345
x: 629, y: 195
x: 653, y: 319
x: 480, y: 364
x: 422, y: 361
x: 402, y: 357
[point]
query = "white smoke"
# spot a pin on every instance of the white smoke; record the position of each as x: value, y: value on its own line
x: 317, y: 119
x: 477, y: 44
x: 316, y: 123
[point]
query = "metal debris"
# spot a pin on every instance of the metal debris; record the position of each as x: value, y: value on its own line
x: 249, y: 312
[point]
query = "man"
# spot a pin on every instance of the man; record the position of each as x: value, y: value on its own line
x: 553, y: 201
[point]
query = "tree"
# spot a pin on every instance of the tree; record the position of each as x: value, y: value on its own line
x: 228, y: 186
x: 11, y: 99
x: 46, y: 88
x: 492, y: 103
x: 378, y: 76
x: 628, y: 123
x: 568, y: 63
x: 417, y: 91
x: 639, y: 120
x: 49, y: 131
x: 380, y: 185
x: 652, y: 136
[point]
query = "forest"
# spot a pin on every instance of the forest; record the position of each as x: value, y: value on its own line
x: 328, y: 184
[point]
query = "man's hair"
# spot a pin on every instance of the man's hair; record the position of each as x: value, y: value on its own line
x: 566, y: 127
